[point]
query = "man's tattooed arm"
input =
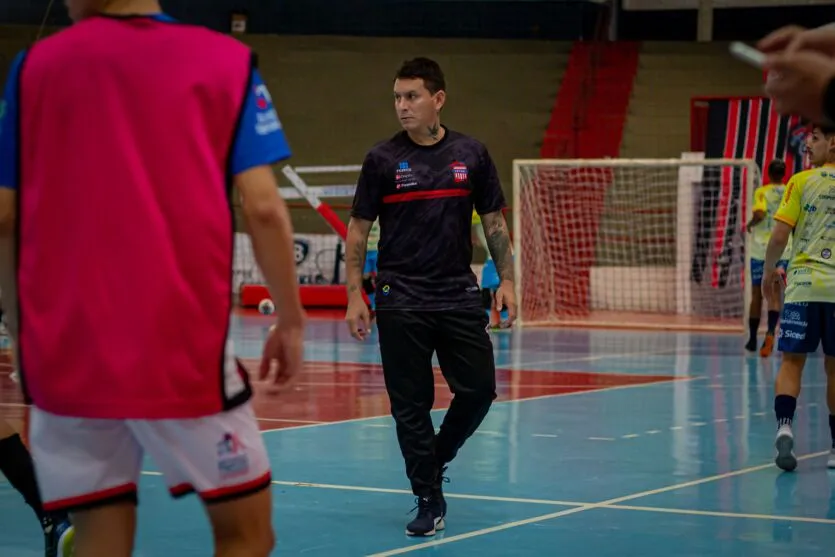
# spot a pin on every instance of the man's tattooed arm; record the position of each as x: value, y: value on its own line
x: 357, y: 241
x: 498, y: 242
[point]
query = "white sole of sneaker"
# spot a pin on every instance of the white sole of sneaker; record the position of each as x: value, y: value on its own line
x: 439, y: 525
x: 785, y: 457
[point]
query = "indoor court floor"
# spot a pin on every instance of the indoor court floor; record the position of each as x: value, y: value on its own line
x: 601, y: 443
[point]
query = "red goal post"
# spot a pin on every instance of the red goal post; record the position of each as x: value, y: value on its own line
x: 633, y: 243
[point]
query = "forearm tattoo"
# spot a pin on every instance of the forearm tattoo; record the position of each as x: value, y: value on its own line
x: 498, y: 242
x: 354, y: 263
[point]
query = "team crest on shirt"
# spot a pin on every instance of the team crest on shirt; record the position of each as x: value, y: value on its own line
x: 263, y: 100
x: 459, y: 172
x: 232, y: 460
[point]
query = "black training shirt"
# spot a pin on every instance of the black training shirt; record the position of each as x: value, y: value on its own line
x: 424, y: 197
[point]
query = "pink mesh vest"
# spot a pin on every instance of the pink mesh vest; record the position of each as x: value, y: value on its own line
x: 126, y: 231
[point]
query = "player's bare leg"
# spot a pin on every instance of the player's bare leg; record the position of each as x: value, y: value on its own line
x: 16, y: 465
x: 755, y: 310
x: 787, y: 389
x: 829, y: 364
x: 243, y: 527
x: 106, y: 531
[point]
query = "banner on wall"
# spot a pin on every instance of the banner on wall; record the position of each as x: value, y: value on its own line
x: 320, y: 259
x: 739, y: 128
x: 716, y: 4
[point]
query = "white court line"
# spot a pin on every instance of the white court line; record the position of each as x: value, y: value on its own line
x: 515, y: 401
x: 575, y: 510
x: 723, y: 514
x: 523, y: 365
x: 307, y: 425
x: 289, y: 421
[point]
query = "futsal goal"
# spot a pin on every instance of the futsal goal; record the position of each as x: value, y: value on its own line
x: 633, y: 243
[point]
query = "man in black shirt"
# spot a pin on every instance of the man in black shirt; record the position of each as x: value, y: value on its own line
x: 423, y: 184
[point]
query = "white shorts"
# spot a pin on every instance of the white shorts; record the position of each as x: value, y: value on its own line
x: 83, y: 463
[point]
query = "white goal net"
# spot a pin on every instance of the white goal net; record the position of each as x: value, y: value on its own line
x: 633, y: 243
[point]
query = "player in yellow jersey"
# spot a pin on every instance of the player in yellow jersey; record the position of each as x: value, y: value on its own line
x: 489, y: 277
x: 807, y: 209
x: 369, y: 272
x: 766, y: 201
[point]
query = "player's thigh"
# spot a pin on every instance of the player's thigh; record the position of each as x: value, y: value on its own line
x: 757, y: 268
x: 828, y: 329
x: 465, y: 351
x: 801, y: 325
x: 83, y: 463
x: 221, y: 457
x: 406, y: 347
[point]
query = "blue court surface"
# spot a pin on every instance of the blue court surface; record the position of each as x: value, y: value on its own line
x: 601, y: 443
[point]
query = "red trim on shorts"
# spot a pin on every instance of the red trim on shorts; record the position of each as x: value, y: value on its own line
x: 236, y: 491
x: 181, y: 490
x: 95, y: 499
x: 418, y: 195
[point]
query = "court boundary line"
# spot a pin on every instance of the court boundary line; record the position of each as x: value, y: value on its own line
x: 575, y: 504
x: 575, y: 510
x: 669, y: 381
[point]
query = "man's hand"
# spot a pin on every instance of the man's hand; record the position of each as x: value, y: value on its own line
x: 358, y: 318
x: 506, y: 296
x: 773, y: 284
x: 285, y: 346
x: 797, y: 81
x: 793, y: 38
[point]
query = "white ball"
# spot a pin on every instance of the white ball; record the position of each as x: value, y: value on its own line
x: 266, y: 306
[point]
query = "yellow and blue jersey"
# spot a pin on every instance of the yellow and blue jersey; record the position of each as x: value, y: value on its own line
x: 373, y: 236
x: 767, y: 200
x: 808, y: 206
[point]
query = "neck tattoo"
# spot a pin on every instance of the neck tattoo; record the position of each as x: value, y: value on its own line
x: 434, y: 130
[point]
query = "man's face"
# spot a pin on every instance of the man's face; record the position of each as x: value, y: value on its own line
x: 818, y: 145
x: 416, y: 107
x: 80, y: 9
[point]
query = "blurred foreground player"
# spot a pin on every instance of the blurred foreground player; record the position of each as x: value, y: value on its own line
x: 766, y: 201
x: 422, y: 184
x: 808, y: 209
x: 120, y: 187
x: 15, y: 459
x: 16, y: 465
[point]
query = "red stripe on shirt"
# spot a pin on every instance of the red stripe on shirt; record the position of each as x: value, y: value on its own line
x: 418, y: 195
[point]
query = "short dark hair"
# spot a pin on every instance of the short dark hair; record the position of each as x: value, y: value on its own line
x: 777, y: 169
x: 826, y: 129
x: 426, y: 69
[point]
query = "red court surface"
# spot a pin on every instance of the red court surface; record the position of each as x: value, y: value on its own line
x: 329, y: 392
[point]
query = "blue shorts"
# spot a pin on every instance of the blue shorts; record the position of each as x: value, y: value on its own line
x: 804, y: 325
x: 370, y: 263
x: 489, y: 276
x: 757, y: 267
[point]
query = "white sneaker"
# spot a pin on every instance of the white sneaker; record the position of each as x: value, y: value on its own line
x: 831, y: 462
x: 786, y: 459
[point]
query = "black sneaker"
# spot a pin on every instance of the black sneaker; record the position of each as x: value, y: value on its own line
x: 430, y: 517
